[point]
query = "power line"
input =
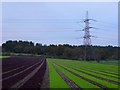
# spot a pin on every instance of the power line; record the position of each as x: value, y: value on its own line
x: 39, y: 21
x: 7, y: 20
x: 107, y: 23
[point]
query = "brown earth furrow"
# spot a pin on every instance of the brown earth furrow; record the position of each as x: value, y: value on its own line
x: 17, y: 70
x: 20, y: 83
x: 35, y: 82
x: 45, y: 82
x: 15, y: 62
x: 18, y: 75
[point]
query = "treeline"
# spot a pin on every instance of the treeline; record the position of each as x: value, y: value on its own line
x: 62, y: 51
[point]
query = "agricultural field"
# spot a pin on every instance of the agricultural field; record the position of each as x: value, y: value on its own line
x: 83, y: 75
x: 38, y: 72
x: 108, y: 62
x: 4, y: 57
x: 22, y: 72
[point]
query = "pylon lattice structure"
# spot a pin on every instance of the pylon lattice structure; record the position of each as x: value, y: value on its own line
x: 87, y: 36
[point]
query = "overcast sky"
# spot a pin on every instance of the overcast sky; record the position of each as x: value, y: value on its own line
x: 56, y: 23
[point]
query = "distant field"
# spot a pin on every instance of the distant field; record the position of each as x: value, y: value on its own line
x: 111, y: 62
x: 108, y: 62
x: 71, y: 74
x: 4, y: 56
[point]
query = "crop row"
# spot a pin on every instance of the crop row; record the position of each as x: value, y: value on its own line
x: 83, y: 74
x: 4, y: 57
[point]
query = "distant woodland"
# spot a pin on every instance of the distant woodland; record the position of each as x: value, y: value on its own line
x: 62, y: 51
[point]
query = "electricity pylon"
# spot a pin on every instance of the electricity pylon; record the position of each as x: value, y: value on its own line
x: 87, y: 36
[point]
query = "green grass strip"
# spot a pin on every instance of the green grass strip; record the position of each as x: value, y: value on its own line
x: 115, y: 78
x: 104, y: 83
x: 96, y: 73
x: 4, y: 57
x: 94, y: 66
x: 80, y: 82
x: 102, y: 73
x: 83, y: 66
x: 55, y: 80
